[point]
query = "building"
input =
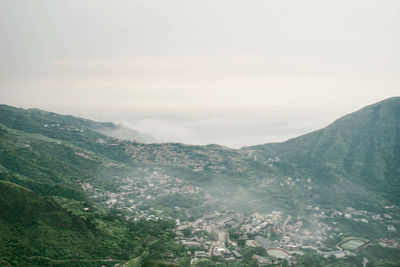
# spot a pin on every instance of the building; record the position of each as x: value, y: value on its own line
x: 252, y: 243
x: 265, y: 243
x: 216, y: 253
x: 222, y: 235
x: 236, y: 254
x: 190, y: 243
x: 338, y: 254
x: 202, y: 254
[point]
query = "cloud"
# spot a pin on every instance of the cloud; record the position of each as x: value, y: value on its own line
x: 201, y: 72
x: 166, y: 131
x: 228, y: 126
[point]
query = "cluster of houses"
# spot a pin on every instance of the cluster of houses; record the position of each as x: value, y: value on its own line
x: 194, y: 158
x: 281, y: 235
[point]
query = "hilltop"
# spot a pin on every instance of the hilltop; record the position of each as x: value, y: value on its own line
x: 358, y: 152
x: 33, y: 119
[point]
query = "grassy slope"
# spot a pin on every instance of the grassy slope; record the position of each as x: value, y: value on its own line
x: 355, y: 158
x: 50, y: 166
x: 36, y: 230
x: 351, y: 161
x: 33, y: 119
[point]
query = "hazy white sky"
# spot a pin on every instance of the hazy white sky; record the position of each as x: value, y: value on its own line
x: 221, y: 71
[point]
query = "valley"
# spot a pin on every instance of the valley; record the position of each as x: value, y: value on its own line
x: 328, y: 198
x: 209, y: 230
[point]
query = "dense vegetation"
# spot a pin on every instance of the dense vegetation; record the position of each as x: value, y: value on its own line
x: 354, y: 160
x: 41, y: 202
x: 46, y: 157
x: 36, y: 230
x: 356, y: 157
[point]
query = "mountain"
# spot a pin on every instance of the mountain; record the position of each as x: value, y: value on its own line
x: 50, y: 166
x: 357, y: 155
x: 352, y: 161
x: 38, y: 231
x: 31, y: 119
x: 46, y: 218
x: 68, y: 175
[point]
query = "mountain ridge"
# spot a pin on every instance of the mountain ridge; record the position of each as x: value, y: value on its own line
x: 107, y: 128
x: 357, y: 152
x: 361, y: 145
x: 100, y: 181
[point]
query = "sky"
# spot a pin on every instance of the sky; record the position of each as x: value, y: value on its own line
x: 227, y: 72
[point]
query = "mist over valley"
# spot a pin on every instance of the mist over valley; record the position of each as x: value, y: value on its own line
x: 229, y: 133
x: 327, y: 197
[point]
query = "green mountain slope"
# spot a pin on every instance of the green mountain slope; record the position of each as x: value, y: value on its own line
x: 37, y: 120
x: 358, y: 153
x: 46, y: 219
x: 46, y: 159
x: 50, y: 166
x: 352, y: 160
x: 37, y: 231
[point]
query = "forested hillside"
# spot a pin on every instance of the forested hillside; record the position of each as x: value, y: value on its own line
x: 74, y: 195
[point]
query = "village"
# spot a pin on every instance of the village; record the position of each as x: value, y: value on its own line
x: 282, y: 236
x: 215, y: 233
